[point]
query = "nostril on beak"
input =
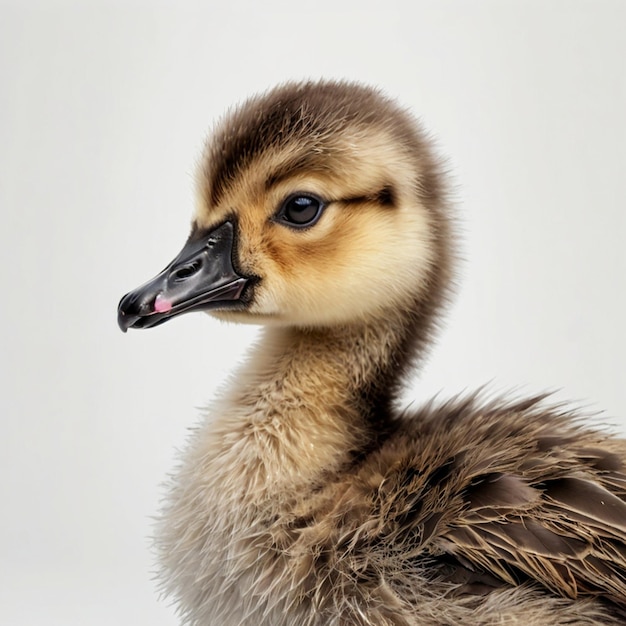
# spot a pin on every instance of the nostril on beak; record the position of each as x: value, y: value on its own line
x: 186, y: 271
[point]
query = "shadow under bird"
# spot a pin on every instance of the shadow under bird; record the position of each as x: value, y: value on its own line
x: 305, y: 497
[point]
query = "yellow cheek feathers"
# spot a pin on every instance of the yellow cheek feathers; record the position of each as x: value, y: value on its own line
x: 353, y: 264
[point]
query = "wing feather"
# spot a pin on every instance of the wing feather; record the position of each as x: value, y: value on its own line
x: 569, y: 535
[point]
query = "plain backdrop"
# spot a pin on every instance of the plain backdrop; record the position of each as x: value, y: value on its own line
x: 103, y: 111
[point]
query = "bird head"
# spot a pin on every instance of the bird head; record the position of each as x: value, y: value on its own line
x: 318, y: 204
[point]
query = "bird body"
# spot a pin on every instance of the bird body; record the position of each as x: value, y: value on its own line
x: 305, y: 497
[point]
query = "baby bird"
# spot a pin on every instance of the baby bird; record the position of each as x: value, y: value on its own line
x: 305, y: 498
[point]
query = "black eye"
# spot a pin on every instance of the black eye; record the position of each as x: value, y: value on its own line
x: 301, y: 210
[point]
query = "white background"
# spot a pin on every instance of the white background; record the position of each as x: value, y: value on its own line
x: 103, y: 112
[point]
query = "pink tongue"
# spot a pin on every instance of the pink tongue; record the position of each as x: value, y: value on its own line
x: 162, y: 305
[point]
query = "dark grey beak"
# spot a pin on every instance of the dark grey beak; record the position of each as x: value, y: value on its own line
x: 201, y: 277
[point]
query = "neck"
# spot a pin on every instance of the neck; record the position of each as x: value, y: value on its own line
x: 296, y: 418
x: 309, y: 402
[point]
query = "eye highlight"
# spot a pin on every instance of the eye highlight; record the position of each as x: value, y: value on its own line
x: 300, y: 210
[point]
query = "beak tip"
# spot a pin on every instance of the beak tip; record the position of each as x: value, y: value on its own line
x: 124, y: 319
x: 121, y: 322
